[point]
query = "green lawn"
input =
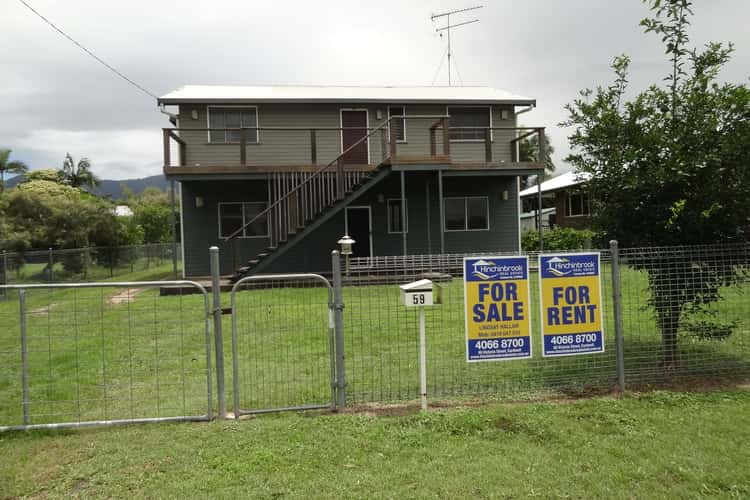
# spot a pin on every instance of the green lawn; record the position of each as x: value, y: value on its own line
x: 94, y: 358
x: 656, y: 445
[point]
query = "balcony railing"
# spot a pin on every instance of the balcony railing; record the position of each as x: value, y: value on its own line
x: 411, y: 138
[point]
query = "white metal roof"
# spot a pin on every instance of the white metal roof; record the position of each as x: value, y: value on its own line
x: 561, y: 181
x: 242, y: 94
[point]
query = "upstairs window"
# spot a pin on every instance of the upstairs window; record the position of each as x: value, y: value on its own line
x: 469, y: 213
x: 577, y: 204
x: 233, y: 216
x: 468, y: 123
x: 236, y: 118
x: 395, y: 216
x: 399, y: 124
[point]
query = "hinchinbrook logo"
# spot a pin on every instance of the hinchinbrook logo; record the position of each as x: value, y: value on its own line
x: 487, y: 270
x: 563, y: 267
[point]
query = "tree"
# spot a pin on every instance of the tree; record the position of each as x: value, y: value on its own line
x: 45, y: 174
x: 12, y: 167
x: 152, y: 211
x: 670, y: 167
x: 78, y: 175
x: 528, y: 150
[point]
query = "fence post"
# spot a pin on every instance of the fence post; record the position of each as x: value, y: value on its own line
x: 219, y: 344
x: 50, y: 264
x: 617, y: 301
x: 338, y: 313
x: 4, y: 276
x: 24, y: 361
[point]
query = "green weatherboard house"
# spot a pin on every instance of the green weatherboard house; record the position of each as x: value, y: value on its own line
x: 275, y: 176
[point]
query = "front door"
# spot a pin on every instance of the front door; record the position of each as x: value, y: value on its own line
x: 359, y: 227
x: 354, y: 128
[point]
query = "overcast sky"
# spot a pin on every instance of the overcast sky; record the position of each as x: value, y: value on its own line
x: 55, y: 99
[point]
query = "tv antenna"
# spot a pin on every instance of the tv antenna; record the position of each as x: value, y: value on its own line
x: 448, y: 26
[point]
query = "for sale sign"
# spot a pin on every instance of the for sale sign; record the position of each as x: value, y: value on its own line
x: 571, y: 304
x: 496, y: 291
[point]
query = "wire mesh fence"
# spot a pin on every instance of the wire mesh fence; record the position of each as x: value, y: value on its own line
x: 673, y: 330
x: 98, y: 353
x: 686, y: 313
x: 382, y: 338
x: 103, y: 352
x: 87, y: 264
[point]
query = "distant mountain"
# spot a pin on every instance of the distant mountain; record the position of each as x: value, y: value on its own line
x: 113, y: 188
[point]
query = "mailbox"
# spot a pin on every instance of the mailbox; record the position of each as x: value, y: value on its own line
x: 421, y: 293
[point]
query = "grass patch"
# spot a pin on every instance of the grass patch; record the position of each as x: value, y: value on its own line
x: 656, y: 445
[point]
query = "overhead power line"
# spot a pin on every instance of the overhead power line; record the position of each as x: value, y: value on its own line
x: 87, y: 51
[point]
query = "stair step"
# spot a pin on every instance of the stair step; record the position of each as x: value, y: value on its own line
x: 254, y: 262
x: 243, y: 270
x: 263, y: 255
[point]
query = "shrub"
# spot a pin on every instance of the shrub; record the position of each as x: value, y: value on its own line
x: 562, y: 238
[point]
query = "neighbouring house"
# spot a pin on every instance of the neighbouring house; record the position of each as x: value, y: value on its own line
x: 565, y: 203
x: 275, y: 176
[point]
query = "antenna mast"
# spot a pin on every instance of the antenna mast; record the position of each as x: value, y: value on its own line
x: 448, y: 27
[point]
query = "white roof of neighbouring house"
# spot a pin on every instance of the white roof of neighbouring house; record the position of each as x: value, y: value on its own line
x: 561, y: 181
x: 324, y: 93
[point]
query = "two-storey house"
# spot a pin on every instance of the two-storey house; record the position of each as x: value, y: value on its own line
x: 275, y: 176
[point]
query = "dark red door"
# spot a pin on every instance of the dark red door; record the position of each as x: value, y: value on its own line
x: 354, y: 128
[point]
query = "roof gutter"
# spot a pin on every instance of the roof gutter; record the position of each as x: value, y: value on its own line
x: 172, y: 116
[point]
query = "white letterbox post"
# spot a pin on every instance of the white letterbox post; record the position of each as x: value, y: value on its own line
x: 419, y: 294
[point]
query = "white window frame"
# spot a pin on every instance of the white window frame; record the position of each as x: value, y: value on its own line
x: 388, y: 213
x: 367, y: 129
x: 489, y: 111
x: 244, y: 220
x: 231, y: 106
x: 466, y: 213
x: 388, y: 109
x: 568, y: 204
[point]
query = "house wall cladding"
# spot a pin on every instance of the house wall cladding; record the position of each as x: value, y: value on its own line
x: 312, y: 254
x: 285, y: 147
x: 201, y: 224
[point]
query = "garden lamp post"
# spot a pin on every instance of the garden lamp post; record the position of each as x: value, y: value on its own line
x: 346, y: 243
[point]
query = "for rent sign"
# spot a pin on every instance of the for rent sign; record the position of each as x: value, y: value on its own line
x: 571, y: 304
x: 496, y: 290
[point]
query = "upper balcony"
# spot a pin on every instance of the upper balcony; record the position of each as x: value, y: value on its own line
x: 399, y: 140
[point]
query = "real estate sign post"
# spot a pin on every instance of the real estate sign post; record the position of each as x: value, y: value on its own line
x: 571, y: 304
x: 498, y: 322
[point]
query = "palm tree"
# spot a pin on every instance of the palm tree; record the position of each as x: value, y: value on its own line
x: 13, y: 167
x: 78, y: 174
x: 529, y: 152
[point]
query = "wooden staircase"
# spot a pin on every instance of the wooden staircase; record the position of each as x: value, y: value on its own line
x: 301, y: 201
x: 295, y: 214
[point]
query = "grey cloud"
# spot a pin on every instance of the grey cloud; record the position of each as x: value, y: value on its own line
x: 546, y: 49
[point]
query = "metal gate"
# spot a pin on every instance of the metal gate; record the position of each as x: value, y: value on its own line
x: 85, y: 354
x: 283, y: 345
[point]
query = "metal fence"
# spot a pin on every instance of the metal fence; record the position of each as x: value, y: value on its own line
x: 98, y: 353
x: 86, y: 264
x: 711, y: 340
x: 103, y: 353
